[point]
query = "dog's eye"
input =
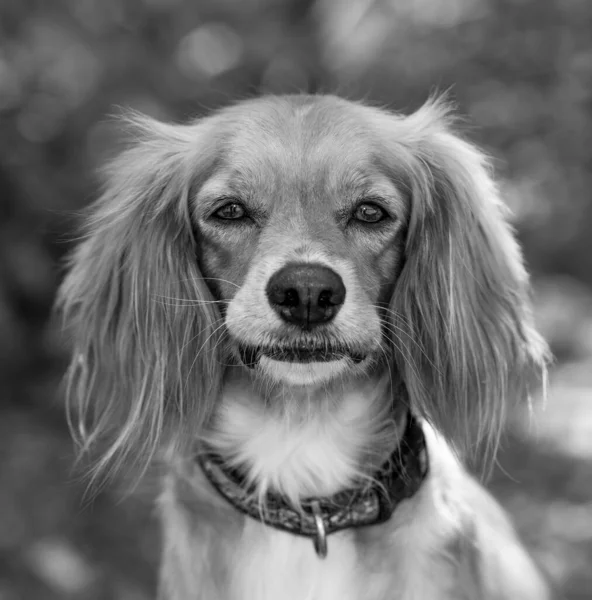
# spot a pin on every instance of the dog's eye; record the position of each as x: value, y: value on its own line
x: 368, y: 212
x: 231, y: 212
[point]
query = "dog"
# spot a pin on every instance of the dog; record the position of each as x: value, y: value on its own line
x: 311, y: 311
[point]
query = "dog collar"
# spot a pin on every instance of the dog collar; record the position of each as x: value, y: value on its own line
x: 399, y: 478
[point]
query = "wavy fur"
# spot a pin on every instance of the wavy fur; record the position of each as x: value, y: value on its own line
x: 144, y: 362
x: 463, y: 294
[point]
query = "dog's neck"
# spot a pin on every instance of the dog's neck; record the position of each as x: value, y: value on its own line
x: 306, y: 442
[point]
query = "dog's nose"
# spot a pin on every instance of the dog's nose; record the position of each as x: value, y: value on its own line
x: 306, y: 294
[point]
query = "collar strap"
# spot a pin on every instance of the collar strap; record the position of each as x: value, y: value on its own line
x: 399, y: 478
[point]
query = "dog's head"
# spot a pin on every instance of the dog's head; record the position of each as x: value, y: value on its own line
x: 305, y: 240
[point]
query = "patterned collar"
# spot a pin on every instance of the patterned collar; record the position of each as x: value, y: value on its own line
x: 399, y: 478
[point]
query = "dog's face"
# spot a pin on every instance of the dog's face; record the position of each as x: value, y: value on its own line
x: 300, y: 235
x: 323, y: 238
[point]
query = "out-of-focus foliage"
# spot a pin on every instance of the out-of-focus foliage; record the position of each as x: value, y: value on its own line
x: 521, y: 70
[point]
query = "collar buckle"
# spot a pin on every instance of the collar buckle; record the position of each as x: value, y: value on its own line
x: 320, y: 537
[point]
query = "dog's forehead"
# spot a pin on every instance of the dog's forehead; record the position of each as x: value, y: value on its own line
x: 310, y: 118
x: 300, y: 139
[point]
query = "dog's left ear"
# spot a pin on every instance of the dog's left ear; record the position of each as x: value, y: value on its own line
x: 462, y: 300
x: 142, y: 320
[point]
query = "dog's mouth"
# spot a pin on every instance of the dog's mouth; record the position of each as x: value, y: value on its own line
x: 251, y: 355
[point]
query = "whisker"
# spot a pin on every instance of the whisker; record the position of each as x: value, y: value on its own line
x: 198, y: 353
x: 389, y: 310
x: 219, y: 320
x: 413, y: 365
x: 194, y: 279
x: 186, y: 301
x: 236, y: 285
x: 396, y: 331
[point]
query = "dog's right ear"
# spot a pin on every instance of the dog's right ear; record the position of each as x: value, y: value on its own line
x: 463, y: 297
x: 140, y: 314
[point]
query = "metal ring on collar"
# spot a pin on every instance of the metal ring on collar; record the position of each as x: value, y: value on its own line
x: 320, y: 538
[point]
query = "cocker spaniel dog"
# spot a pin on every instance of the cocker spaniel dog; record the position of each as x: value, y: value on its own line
x: 311, y: 310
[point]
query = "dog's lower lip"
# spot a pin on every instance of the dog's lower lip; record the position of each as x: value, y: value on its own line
x: 250, y: 355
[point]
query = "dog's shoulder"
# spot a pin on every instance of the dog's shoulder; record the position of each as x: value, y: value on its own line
x: 491, y: 558
x: 482, y: 544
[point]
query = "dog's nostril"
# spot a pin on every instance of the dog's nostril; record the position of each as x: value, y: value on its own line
x: 281, y: 296
x: 329, y: 298
x: 291, y: 297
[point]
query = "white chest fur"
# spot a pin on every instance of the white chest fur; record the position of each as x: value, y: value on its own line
x: 305, y: 445
x: 277, y: 565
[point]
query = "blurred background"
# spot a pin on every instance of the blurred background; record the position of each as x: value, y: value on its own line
x: 521, y: 70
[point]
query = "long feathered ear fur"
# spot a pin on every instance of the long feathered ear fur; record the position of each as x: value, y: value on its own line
x: 468, y: 345
x: 142, y: 323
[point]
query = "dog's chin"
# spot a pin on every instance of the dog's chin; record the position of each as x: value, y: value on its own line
x: 302, y: 373
x: 301, y: 366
